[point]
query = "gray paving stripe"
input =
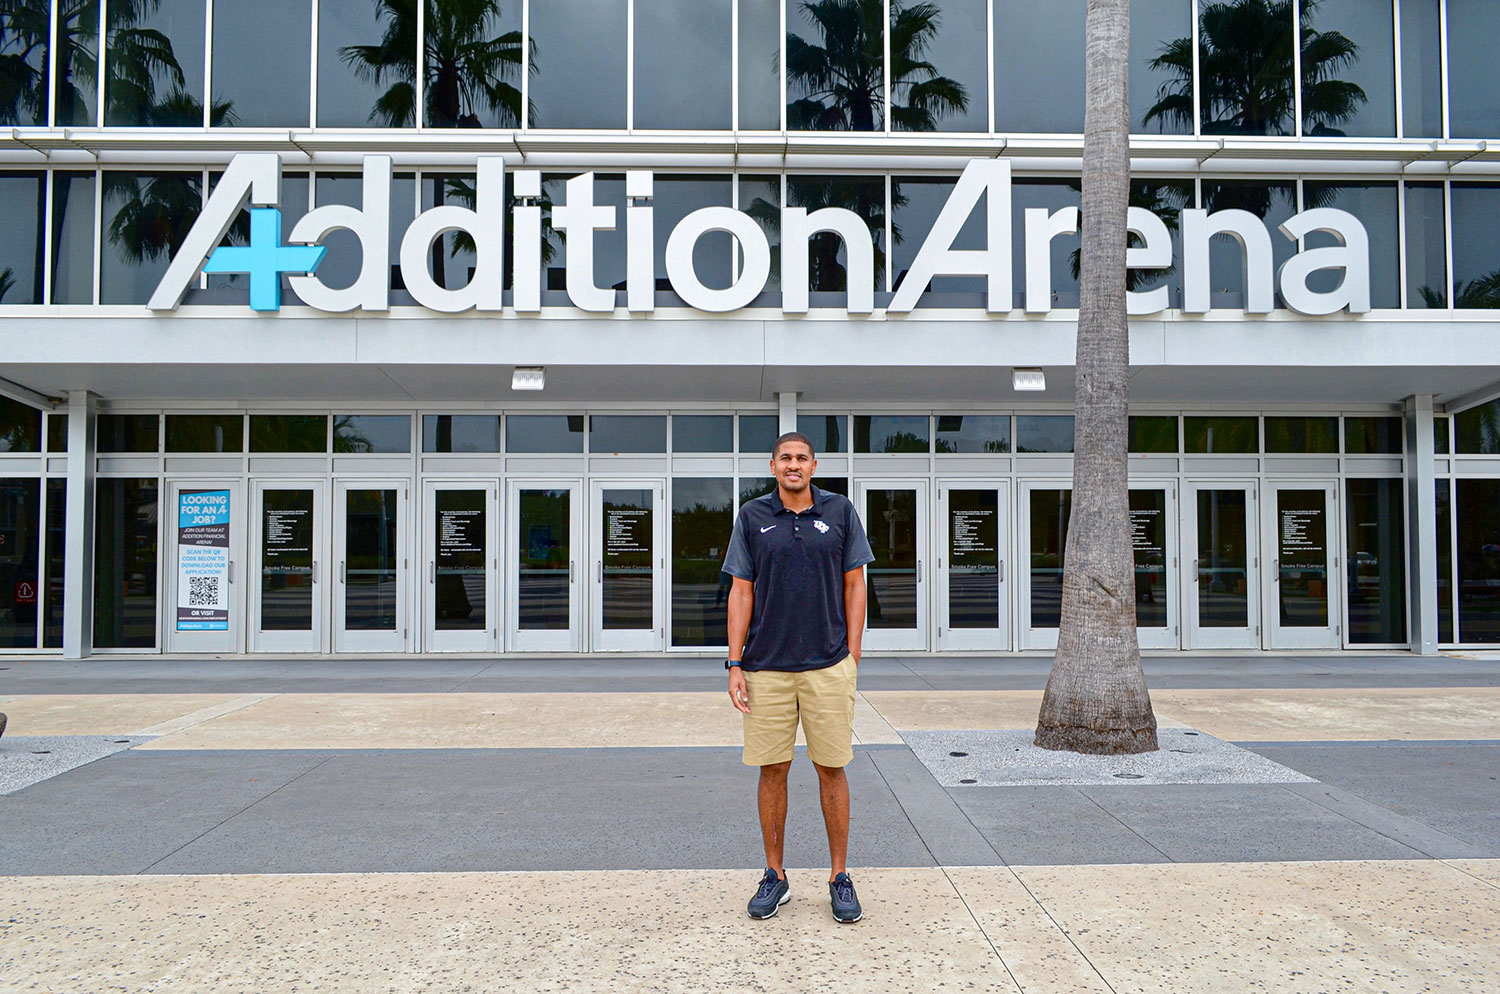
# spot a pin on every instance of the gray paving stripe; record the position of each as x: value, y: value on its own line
x: 947, y: 832
x: 30, y: 759
x: 1009, y: 759
x: 1407, y: 831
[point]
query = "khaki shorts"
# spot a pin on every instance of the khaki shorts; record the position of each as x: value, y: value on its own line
x: 822, y: 699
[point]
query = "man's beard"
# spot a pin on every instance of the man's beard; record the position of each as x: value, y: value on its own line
x: 796, y: 487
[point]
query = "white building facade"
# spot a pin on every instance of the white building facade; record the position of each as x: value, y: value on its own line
x: 343, y: 326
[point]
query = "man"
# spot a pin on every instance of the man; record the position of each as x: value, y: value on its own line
x: 796, y: 615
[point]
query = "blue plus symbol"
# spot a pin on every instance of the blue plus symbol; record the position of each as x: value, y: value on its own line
x: 265, y: 259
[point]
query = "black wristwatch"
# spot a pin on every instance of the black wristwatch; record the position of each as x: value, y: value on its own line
x: 731, y: 663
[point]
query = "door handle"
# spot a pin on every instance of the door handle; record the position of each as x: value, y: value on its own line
x: 570, y: 570
x: 600, y: 571
x: 231, y: 571
x: 1196, y: 571
x: 1002, y: 571
x: 343, y: 571
x: 315, y: 571
x: 1276, y: 570
x: 432, y: 572
x: 919, y: 571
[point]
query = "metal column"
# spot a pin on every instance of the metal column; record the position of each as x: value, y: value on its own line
x: 78, y: 556
x: 1421, y: 509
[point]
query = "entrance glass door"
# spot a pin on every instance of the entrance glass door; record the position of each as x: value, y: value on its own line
x: 1303, y: 586
x: 1045, y: 509
x: 460, y: 565
x: 629, y: 565
x: 895, y: 519
x: 287, y: 593
x: 972, y: 589
x: 205, y: 539
x: 369, y: 600
x: 1153, y: 540
x: 1219, y: 529
x: 544, y: 542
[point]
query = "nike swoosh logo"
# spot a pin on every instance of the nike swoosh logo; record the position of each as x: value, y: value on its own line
x: 766, y: 529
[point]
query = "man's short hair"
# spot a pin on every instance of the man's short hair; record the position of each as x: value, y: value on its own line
x: 793, y: 436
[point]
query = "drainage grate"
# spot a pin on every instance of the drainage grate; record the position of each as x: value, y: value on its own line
x: 1129, y: 776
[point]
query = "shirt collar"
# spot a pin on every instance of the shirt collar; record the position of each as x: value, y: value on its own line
x: 777, y: 507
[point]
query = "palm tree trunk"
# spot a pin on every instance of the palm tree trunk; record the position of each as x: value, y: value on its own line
x: 1096, y: 699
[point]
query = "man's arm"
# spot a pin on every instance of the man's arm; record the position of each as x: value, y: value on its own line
x: 854, y: 609
x: 741, y: 607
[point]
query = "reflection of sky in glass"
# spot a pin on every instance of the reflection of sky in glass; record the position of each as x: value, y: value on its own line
x: 1476, y: 240
x: 24, y: 40
x: 293, y: 206
x: 580, y: 55
x: 345, y: 100
x: 828, y: 432
x: 760, y: 54
x: 1052, y: 195
x: 544, y: 433
x: 1473, y: 26
x: 758, y: 432
x: 21, y: 250
x: 267, y: 84
x: 856, y: 61
x: 1044, y: 433
x: 1039, y: 66
x: 1273, y: 203
x: 1370, y: 28
x: 341, y: 266
x: 449, y: 264
x: 123, y: 280
x: 1153, y: 25
x: 760, y: 197
x: 455, y: 96
x: 957, y: 51
x: 181, y: 22
x: 1421, y: 71
x: 82, y: 25
x: 703, y: 433
x: 1228, y: 54
x: 682, y: 77
x: 1166, y: 198
x: 864, y: 195
x: 675, y: 198
x: 1375, y: 206
x: 73, y: 231
x: 1426, y: 248
x: 899, y: 433
x: 609, y: 245
x: 627, y: 433
x: 371, y: 433
x: 923, y: 200
x: 461, y: 433
x: 973, y: 433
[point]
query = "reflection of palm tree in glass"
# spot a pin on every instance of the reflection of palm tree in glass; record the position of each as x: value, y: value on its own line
x: 1245, y: 59
x: 844, y: 79
x: 863, y: 197
x: 1165, y: 199
x: 1482, y: 291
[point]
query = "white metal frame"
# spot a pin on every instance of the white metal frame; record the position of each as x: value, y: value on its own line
x: 1279, y: 636
x: 1000, y: 637
x: 920, y: 637
x: 1195, y: 635
x: 649, y: 639
x: 316, y: 638
x: 570, y: 639
x: 356, y: 640
x: 487, y: 638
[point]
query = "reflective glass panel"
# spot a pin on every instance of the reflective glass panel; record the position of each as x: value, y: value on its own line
x: 1222, y: 434
x: 758, y: 432
x: 892, y: 433
x: 57, y: 542
x: 544, y: 433
x: 916, y: 203
x: 1426, y: 246
x: 155, y: 65
x: 373, y: 551
x: 615, y: 433
x: 752, y: 487
x: 341, y: 266
x: 1302, y: 434
x: 1477, y: 430
x: 578, y: 64
x: 288, y: 433
x: 973, y: 433
x: 609, y: 246
x: 1273, y: 203
x: 891, y: 522
x: 675, y: 198
x: 1473, y: 111
x: 939, y: 79
x: 262, y: 86
x: 835, y: 65
x: 1222, y: 569
x: 57, y: 433
x: 1477, y: 503
x: 22, y: 213
x: 1153, y: 433
x: 73, y: 232
x: 77, y: 45
x: 20, y: 427
x: 1421, y: 69
x: 760, y: 197
x: 366, y: 65
x: 1245, y: 67
x: 826, y: 257
x: 146, y: 217
x: 1302, y: 557
x: 20, y: 561
x: 1348, y: 68
x: 25, y: 28
x: 461, y: 433
x: 295, y: 190
x: 1161, y: 66
x: 471, y: 59
x: 1440, y: 433
x: 828, y: 432
x: 1375, y: 206
x: 973, y: 558
x: 1445, y: 559
x: 1362, y: 435
x: 760, y: 61
x: 1044, y: 433
x: 461, y: 558
x: 832, y: 484
x: 1148, y: 542
x: 205, y: 433
x: 702, y: 518
x: 1049, y: 511
x: 371, y: 433
x: 128, y: 433
x: 1376, y: 557
x: 1476, y: 245
x: 629, y: 557
x: 450, y: 260
x: 1039, y: 66
x: 287, y: 536
x: 125, y: 516
x: 682, y: 69
x: 702, y: 433
x: 544, y: 567
x: 1062, y: 253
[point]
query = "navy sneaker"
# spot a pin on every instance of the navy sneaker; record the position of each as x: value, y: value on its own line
x: 771, y: 895
x: 846, y: 909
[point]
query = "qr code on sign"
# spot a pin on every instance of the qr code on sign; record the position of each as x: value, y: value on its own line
x: 203, y: 590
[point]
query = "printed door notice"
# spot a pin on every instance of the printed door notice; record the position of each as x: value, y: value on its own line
x: 203, y: 561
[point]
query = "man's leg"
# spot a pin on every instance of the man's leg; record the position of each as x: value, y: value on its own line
x: 833, y: 787
x: 772, y: 800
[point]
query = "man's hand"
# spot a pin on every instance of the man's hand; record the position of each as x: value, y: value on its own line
x: 737, y: 690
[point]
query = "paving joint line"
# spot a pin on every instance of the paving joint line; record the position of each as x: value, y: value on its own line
x: 920, y: 679
x: 227, y: 820
x: 1064, y: 932
x: 907, y: 815
x: 1467, y: 873
x: 193, y: 718
x: 1118, y: 820
x: 491, y: 664
x: 980, y: 925
x: 1371, y: 828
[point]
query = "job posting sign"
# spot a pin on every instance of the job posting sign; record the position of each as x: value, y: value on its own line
x: 203, y: 561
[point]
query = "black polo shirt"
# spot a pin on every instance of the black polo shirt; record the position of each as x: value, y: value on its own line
x: 797, y: 563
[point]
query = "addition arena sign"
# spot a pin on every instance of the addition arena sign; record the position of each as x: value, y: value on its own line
x: 256, y: 178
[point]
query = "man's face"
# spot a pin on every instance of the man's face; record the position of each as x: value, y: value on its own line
x: 794, y: 466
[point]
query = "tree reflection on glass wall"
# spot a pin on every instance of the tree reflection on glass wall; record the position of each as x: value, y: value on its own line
x: 1245, y: 55
x: 864, y: 196
x: 838, y: 68
x: 24, y: 29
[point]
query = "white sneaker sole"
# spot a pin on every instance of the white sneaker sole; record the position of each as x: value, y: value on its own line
x: 784, y: 898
